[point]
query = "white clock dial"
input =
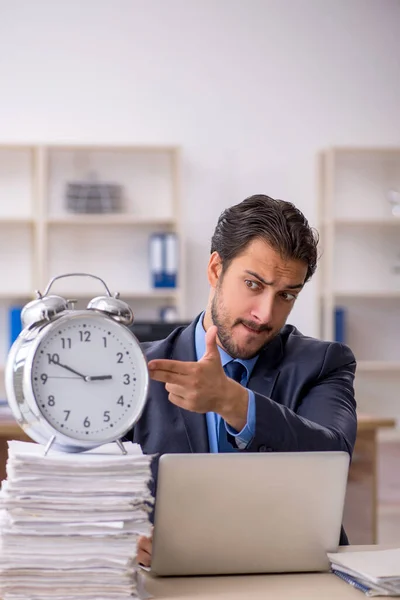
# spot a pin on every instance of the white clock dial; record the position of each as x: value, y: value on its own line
x: 89, y: 377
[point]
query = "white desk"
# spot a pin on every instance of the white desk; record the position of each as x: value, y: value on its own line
x: 305, y: 586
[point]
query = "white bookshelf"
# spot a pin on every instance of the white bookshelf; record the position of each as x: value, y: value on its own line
x: 40, y: 238
x: 360, y: 267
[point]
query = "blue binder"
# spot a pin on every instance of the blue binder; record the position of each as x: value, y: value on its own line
x: 340, y: 324
x: 353, y: 581
x: 163, y: 257
x: 156, y: 259
x: 171, y: 259
x: 14, y: 323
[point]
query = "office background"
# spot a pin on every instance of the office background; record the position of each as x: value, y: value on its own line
x: 250, y: 91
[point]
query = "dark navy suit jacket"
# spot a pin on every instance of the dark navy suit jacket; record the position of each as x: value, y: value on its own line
x: 303, y: 392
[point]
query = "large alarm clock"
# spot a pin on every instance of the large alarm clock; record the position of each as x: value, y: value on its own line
x: 76, y: 379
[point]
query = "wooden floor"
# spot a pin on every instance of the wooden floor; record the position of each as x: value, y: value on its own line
x: 389, y: 493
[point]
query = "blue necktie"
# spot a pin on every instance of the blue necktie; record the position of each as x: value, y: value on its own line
x: 235, y: 370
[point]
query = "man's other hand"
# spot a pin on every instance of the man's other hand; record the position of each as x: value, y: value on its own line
x: 144, y: 550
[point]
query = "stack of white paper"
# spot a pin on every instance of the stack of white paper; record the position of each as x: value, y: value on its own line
x: 375, y: 572
x: 69, y: 523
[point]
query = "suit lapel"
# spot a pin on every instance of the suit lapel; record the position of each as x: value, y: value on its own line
x: 195, y: 423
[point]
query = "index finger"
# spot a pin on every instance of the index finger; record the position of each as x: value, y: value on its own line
x: 171, y: 366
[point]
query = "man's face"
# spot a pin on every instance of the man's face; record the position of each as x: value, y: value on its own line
x: 251, y: 301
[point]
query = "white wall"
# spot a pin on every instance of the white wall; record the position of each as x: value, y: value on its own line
x: 250, y: 89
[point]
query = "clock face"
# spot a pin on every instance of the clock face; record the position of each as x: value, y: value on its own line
x: 89, y: 377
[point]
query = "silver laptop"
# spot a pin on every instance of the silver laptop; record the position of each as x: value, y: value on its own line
x: 248, y: 512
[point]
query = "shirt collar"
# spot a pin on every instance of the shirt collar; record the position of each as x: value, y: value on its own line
x: 200, y: 344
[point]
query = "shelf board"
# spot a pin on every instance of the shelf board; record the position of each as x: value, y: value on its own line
x: 165, y: 293
x: 108, y: 219
x: 366, y: 295
x: 113, y: 148
x: 9, y: 220
x: 12, y: 146
x: 383, y: 366
x: 17, y: 295
x: 393, y: 222
x: 366, y: 149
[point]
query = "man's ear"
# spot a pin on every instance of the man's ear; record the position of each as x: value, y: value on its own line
x: 214, y: 269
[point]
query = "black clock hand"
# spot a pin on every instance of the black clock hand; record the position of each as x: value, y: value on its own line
x: 61, y: 377
x: 70, y: 369
x: 98, y: 377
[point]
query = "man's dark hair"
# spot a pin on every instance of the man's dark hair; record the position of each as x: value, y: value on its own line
x: 280, y: 224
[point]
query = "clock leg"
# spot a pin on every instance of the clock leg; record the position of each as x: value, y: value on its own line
x: 121, y: 446
x: 49, y: 444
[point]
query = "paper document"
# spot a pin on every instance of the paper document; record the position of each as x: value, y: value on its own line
x: 377, y: 572
x: 69, y: 523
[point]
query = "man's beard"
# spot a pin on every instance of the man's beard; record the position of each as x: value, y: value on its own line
x: 220, y: 318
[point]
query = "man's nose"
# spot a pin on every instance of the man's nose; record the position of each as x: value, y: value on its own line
x: 263, y: 310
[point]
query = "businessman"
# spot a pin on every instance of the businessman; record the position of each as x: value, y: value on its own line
x: 238, y: 378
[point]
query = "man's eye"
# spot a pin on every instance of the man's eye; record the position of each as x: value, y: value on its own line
x: 289, y: 297
x: 252, y: 285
